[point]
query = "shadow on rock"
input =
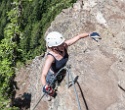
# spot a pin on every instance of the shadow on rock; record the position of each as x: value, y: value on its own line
x: 83, y: 97
x: 22, y: 102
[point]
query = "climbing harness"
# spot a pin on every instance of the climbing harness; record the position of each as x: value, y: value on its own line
x: 67, y: 68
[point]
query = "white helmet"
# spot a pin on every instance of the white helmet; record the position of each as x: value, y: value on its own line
x: 54, y: 39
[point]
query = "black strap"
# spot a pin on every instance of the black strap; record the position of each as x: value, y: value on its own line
x: 51, y: 55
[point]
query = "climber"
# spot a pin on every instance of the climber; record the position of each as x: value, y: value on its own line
x: 57, y: 57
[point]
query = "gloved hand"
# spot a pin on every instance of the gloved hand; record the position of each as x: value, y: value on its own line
x: 49, y: 90
x: 95, y: 36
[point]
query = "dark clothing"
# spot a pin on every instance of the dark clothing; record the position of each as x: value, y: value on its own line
x: 55, y: 67
x: 50, y: 77
x: 58, y: 64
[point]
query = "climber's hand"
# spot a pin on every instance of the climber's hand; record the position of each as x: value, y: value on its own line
x: 95, y: 36
x: 48, y: 89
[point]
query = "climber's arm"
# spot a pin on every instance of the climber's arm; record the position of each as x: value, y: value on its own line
x: 76, y: 38
x: 46, y: 68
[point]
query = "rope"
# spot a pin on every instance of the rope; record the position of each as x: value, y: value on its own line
x: 38, y: 101
x: 77, y: 99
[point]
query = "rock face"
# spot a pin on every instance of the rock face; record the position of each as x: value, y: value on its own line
x: 99, y: 65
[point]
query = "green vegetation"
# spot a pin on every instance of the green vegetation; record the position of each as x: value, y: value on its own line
x: 22, y: 27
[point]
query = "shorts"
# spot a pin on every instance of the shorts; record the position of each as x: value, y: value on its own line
x: 50, y: 77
